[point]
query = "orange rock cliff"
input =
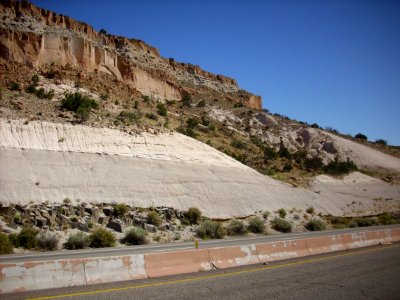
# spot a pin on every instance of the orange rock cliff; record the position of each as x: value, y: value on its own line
x: 38, y: 37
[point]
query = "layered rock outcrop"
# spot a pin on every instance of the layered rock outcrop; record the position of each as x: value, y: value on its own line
x: 39, y: 37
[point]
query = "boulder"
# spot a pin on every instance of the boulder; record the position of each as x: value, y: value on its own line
x: 115, y: 225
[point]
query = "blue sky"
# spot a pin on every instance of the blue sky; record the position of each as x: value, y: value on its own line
x: 336, y: 63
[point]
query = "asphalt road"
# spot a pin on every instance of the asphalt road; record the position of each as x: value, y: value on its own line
x: 369, y: 273
x: 86, y: 253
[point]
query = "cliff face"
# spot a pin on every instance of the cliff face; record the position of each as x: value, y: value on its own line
x: 39, y: 37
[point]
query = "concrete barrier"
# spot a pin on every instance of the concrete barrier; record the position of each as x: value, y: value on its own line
x: 222, y: 258
x: 281, y: 250
x: 24, y: 276
x: 177, y: 262
x: 114, y: 268
x: 326, y: 244
x: 28, y: 276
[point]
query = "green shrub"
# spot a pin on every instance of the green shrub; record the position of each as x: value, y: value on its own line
x: 315, y: 225
x: 47, y: 241
x: 35, y: 79
x: 30, y: 89
x: 364, y: 222
x: 287, y: 167
x: 340, y: 167
x: 103, y: 31
x: 386, y: 219
x: 162, y: 109
x: 146, y: 99
x: 187, y: 100
x: 281, y: 225
x: 284, y: 153
x: 77, y: 240
x: 236, y: 227
x: 210, y: 230
x: 270, y: 153
x: 79, y: 103
x: 27, y: 238
x: 42, y: 94
x: 14, y: 239
x: 256, y: 225
x: 315, y: 125
x: 135, y: 236
x: 101, y: 237
x: 129, y: 117
x: 381, y: 142
x: 120, y: 210
x: 202, y: 103
x: 314, y: 163
x: 282, y: 213
x: 187, y: 131
x: 310, y: 210
x: 14, y: 86
x: 192, y: 122
x: 238, y: 144
x: 151, y: 116
x: 193, y: 215
x: 154, y: 218
x: 6, y: 246
x: 361, y: 136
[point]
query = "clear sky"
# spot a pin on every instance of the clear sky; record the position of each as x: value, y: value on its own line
x: 336, y: 63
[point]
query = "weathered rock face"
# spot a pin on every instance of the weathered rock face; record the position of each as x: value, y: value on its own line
x: 38, y: 37
x: 172, y: 170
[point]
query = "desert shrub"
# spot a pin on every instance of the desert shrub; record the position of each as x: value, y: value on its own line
x: 27, y: 238
x: 270, y: 153
x: 6, y: 246
x: 210, y: 230
x: 101, y: 237
x: 30, y: 89
x: 310, y: 210
x: 14, y: 239
x: 256, y: 225
x: 120, y: 210
x: 104, y: 97
x: 146, y: 99
x: 340, y: 167
x: 287, y: 167
x: 103, y: 31
x: 42, y: 94
x: 381, y: 142
x: 47, y: 241
x: 161, y: 109
x: 201, y: 103
x: 154, y: 218
x: 353, y: 224
x: 187, y: 131
x: 135, y: 236
x: 315, y: 125
x: 192, y: 122
x: 187, y: 100
x: 128, y: 117
x: 238, y: 104
x: 77, y: 240
x: 79, y: 103
x: 282, y: 213
x: 193, y: 215
x: 315, y: 225
x: 266, y: 214
x: 14, y: 86
x: 236, y: 227
x: 314, y: 163
x: 151, y: 116
x: 386, y: 219
x: 238, y: 144
x: 284, y: 153
x: 51, y: 74
x: 299, y: 156
x: 136, y: 104
x: 361, y: 136
x: 35, y: 79
x: 364, y: 222
x: 281, y: 225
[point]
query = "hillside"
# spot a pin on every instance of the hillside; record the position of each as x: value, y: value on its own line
x: 103, y: 119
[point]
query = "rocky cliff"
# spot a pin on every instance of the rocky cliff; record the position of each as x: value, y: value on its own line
x: 38, y: 38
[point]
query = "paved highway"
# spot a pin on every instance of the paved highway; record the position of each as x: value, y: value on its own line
x: 85, y: 253
x: 369, y: 273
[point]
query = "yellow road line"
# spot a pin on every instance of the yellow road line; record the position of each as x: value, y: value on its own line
x: 131, y: 287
